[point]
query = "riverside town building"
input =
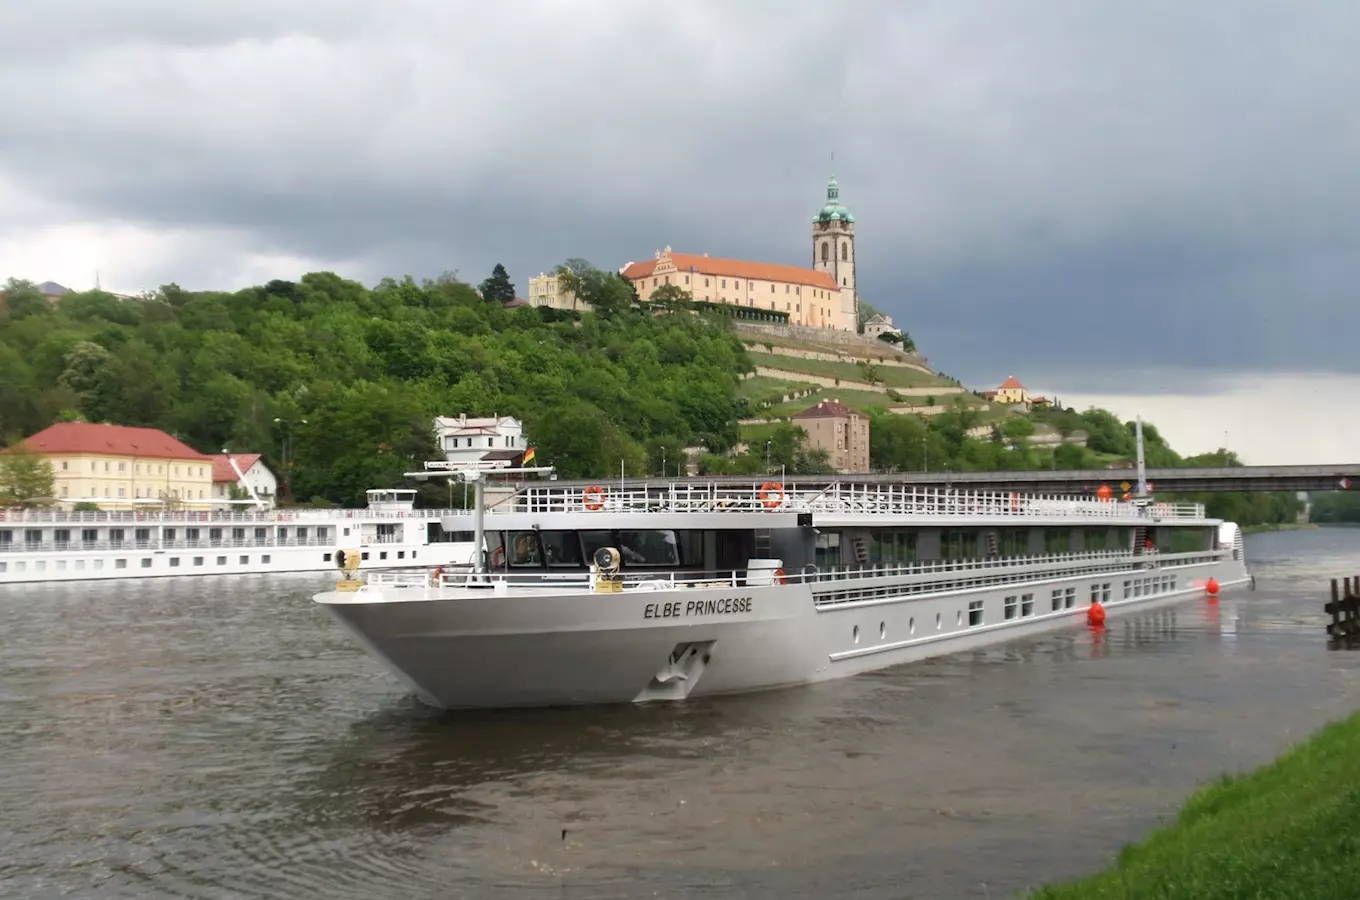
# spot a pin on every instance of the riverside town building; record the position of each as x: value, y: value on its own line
x: 115, y: 466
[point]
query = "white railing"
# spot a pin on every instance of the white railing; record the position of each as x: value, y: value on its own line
x: 989, y: 569
x: 839, y: 498
x: 177, y: 517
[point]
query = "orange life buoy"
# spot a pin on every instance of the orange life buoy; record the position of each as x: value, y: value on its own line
x: 593, y: 497
x: 779, y: 576
x: 436, y: 575
x: 771, y: 494
x: 1015, y: 502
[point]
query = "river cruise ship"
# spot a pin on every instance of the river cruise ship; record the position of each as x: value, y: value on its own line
x: 40, y: 545
x: 645, y: 592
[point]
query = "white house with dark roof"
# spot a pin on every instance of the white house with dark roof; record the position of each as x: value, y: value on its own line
x: 491, y: 440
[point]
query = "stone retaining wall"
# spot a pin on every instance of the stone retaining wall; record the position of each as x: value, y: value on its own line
x: 898, y: 362
x: 827, y: 381
x: 830, y: 336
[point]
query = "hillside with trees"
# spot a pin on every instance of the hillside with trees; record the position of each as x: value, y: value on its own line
x: 349, y: 379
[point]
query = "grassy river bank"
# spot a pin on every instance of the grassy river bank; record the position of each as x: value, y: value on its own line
x: 1288, y: 830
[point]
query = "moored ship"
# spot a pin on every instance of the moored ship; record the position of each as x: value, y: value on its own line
x: 634, y: 593
x: 40, y: 545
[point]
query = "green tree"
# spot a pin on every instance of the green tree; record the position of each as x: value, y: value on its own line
x: 498, y: 288
x: 26, y: 478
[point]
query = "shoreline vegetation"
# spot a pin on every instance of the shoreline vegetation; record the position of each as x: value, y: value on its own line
x: 1286, y: 830
x: 1279, y: 526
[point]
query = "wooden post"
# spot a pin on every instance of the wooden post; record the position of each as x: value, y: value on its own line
x: 1344, y: 629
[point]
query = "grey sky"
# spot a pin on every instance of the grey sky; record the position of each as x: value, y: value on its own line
x: 1038, y: 187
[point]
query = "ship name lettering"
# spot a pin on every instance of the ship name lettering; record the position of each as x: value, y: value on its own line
x: 723, y: 606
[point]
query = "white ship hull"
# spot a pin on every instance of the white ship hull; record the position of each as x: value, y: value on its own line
x: 92, y: 565
x: 45, y: 545
x: 460, y: 649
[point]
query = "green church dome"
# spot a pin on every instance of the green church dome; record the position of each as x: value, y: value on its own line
x: 833, y: 211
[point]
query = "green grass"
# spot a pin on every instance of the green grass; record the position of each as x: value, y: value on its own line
x: 892, y: 376
x: 1288, y: 831
x: 762, y: 387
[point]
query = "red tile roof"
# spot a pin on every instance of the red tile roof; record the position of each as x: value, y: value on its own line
x: 1012, y: 384
x: 115, y: 440
x: 735, y: 268
x: 222, y: 469
x: 826, y: 409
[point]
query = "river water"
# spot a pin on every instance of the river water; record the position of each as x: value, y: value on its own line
x: 220, y: 737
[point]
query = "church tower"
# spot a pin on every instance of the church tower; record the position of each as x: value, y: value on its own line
x: 833, y: 251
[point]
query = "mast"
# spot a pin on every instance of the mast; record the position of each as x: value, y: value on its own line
x: 241, y: 479
x: 1142, y: 490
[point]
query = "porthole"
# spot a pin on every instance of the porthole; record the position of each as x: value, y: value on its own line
x: 911, y: 625
x: 855, y: 634
x: 937, y: 621
x: 958, y: 619
x: 882, y: 630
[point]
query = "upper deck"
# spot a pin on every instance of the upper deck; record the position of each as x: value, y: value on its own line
x: 838, y: 499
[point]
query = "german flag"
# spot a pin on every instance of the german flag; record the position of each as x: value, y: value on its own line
x: 528, y: 457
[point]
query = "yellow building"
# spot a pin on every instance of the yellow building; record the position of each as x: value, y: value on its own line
x: 117, y: 466
x: 808, y: 297
x: 823, y: 296
x: 546, y: 290
x: 1012, y: 392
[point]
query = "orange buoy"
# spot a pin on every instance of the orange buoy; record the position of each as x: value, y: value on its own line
x: 1095, y: 613
x: 1211, y: 587
x: 1104, y: 492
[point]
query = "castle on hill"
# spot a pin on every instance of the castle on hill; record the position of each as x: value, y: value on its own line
x: 822, y: 296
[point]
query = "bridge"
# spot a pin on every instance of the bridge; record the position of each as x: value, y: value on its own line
x: 1086, y: 481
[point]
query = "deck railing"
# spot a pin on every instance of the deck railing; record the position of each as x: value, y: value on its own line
x: 1009, y: 567
x: 189, y: 517
x: 841, y: 498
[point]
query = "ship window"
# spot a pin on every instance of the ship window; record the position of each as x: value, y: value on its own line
x: 1096, y: 539
x: 1013, y: 542
x: 561, y: 548
x: 198, y: 560
x: 828, y: 549
x: 1026, y: 605
x: 524, y: 550
x: 893, y: 547
x: 1057, y: 599
x: 648, y: 548
x: 495, y: 549
x: 1105, y: 592
x: 956, y: 544
x: 174, y: 562
x: 1012, y: 605
x: 1069, y: 598
x: 974, y: 613
x: 1057, y: 540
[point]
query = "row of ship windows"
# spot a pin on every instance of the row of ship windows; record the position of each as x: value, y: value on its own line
x: 60, y: 565
x: 78, y: 565
x: 1022, y: 605
x: 63, y: 535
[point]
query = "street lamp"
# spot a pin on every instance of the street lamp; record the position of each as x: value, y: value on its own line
x: 767, y: 457
x: 925, y: 460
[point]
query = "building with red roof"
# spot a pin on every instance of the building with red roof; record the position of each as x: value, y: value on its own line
x: 118, y: 465
x: 1012, y: 392
x: 839, y: 430
x: 254, y: 474
x: 822, y: 296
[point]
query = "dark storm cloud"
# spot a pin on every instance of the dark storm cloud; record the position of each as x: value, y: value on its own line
x: 1152, y: 185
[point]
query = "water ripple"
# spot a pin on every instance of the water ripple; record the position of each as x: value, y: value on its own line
x: 220, y: 737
